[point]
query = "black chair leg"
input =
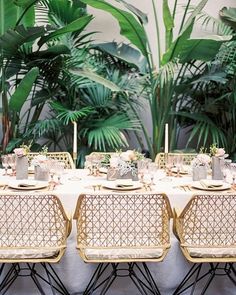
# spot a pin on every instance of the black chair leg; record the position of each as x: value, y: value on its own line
x: 139, y: 274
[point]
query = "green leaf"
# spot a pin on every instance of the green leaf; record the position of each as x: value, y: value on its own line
x: 8, y: 13
x: 140, y: 15
x: 67, y: 115
x: 126, y: 53
x: 96, y: 78
x: 229, y: 16
x: 195, y: 49
x: 168, y: 22
x: 76, y: 25
x: 23, y: 90
x: 129, y: 26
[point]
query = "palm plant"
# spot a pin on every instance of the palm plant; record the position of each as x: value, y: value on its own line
x: 182, y: 56
x: 210, y: 106
x: 48, y: 68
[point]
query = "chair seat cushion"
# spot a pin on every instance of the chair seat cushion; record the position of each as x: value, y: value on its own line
x: 27, y: 253
x: 212, y: 252
x: 123, y: 253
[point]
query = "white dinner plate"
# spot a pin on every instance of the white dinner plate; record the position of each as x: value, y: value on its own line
x: 184, y: 172
x: 122, y: 186
x: 27, y: 185
x: 222, y: 187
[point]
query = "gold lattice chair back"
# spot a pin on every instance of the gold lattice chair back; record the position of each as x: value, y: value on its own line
x: 123, y: 227
x: 64, y: 157
x: 206, y: 228
x: 160, y: 159
x: 34, y: 228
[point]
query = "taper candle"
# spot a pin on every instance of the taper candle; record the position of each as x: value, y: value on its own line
x: 75, y: 139
x: 166, y: 138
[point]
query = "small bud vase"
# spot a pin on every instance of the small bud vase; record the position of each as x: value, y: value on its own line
x: 41, y: 173
x: 22, y: 167
x: 199, y: 172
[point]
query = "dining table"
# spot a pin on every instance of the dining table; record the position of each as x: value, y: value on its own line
x: 75, y: 273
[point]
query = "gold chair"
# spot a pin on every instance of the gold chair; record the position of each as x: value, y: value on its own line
x: 160, y: 159
x: 34, y: 229
x: 206, y: 229
x: 114, y: 228
x: 60, y: 156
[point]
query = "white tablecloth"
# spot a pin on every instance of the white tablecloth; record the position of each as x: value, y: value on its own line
x: 75, y: 273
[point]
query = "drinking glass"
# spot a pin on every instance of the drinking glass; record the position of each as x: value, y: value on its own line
x: 52, y: 167
x: 152, y: 168
x: 5, y: 163
x: 59, y: 171
x: 142, y: 169
x: 226, y: 169
x: 178, y: 161
x: 12, y: 163
x: 169, y: 165
x: 233, y: 172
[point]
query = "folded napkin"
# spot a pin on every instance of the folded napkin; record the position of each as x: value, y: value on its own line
x: 124, y: 185
x: 210, y: 184
x: 26, y: 185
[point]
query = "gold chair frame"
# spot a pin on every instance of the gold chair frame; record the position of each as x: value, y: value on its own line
x: 207, y: 225
x: 160, y: 159
x: 113, y: 221
x: 34, y: 230
x: 60, y: 156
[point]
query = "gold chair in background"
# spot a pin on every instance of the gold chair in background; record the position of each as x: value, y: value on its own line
x: 114, y: 228
x: 160, y: 159
x: 34, y: 229
x: 206, y: 229
x: 60, y: 156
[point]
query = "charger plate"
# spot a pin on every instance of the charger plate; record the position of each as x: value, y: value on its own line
x: 27, y: 185
x: 126, y: 186
x: 199, y: 186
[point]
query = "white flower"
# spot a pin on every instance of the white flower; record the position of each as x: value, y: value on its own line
x: 220, y: 152
x: 39, y: 160
x: 201, y: 160
x: 20, y: 152
x: 114, y: 161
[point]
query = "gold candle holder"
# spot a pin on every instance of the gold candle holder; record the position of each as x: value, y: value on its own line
x: 75, y: 158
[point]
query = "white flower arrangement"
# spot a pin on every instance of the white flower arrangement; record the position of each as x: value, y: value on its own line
x: 125, y: 162
x: 218, y: 152
x: 41, y: 161
x: 201, y: 160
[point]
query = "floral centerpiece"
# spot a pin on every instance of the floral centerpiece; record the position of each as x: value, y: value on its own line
x: 200, y: 166
x: 218, y: 156
x: 41, y: 165
x: 124, y: 164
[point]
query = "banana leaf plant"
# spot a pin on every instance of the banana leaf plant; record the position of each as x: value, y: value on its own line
x: 181, y: 56
x: 208, y: 106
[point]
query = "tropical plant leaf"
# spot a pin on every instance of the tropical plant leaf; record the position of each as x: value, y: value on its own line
x: 96, y: 78
x: 23, y: 90
x: 195, y: 49
x: 130, y: 27
x: 229, y: 16
x: 76, y: 25
x: 125, y: 53
x: 168, y: 22
x: 67, y: 115
x: 11, y: 40
x: 107, y: 134
x: 143, y: 18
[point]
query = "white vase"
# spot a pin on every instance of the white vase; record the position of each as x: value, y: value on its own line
x: 22, y: 166
x: 41, y: 174
x: 199, y: 172
x: 216, y: 165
